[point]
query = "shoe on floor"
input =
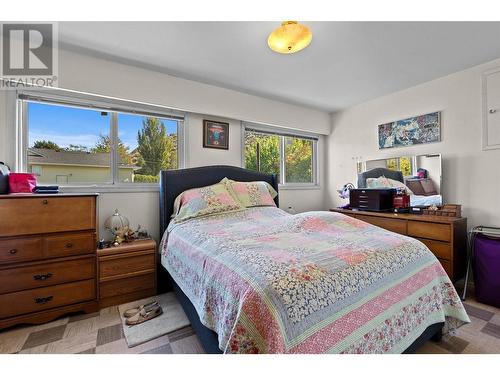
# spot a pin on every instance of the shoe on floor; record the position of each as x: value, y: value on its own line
x: 134, y: 311
x: 144, y: 315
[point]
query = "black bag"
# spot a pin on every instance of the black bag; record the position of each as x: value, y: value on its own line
x: 4, y: 178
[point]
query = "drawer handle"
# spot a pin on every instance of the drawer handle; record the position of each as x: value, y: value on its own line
x: 13, y: 251
x: 42, y: 277
x: 43, y: 300
x: 45, y: 201
x: 69, y: 245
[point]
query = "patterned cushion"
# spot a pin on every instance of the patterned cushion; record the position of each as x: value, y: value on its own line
x: 379, y: 182
x: 204, y: 201
x: 252, y: 194
x: 384, y: 182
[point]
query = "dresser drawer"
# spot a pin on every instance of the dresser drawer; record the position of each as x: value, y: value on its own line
x: 32, y: 300
x: 111, y: 266
x: 45, y: 215
x: 20, y: 249
x: 394, y: 225
x: 41, y: 275
x: 128, y: 285
x: 433, y: 231
x: 68, y: 244
x: 439, y: 249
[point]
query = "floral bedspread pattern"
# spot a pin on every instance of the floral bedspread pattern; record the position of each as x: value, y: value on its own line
x: 317, y: 282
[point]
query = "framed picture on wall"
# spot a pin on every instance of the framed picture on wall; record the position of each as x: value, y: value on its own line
x: 215, y: 134
x: 411, y: 131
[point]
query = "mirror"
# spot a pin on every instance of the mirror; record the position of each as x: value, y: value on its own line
x: 421, y: 174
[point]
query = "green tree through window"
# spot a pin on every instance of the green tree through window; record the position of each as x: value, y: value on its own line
x: 156, y: 150
x: 298, y: 160
x: 104, y: 145
x: 263, y: 153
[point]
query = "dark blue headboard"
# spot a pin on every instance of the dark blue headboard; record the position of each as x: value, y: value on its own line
x: 376, y: 173
x: 174, y: 182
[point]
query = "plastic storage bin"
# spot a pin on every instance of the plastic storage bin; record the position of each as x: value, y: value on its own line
x: 486, y: 265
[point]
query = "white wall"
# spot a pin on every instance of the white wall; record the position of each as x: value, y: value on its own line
x: 471, y: 177
x: 92, y: 75
x: 89, y: 74
x: 197, y: 155
x: 140, y: 208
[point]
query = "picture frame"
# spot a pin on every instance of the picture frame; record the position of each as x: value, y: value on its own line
x: 410, y: 131
x: 216, y: 134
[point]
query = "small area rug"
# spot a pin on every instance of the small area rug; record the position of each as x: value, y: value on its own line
x: 172, y: 319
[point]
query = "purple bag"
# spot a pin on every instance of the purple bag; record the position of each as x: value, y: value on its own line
x: 486, y: 267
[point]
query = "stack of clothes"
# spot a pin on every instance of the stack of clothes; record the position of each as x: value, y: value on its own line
x: 50, y: 189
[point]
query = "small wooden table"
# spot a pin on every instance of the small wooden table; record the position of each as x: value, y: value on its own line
x: 445, y: 236
x: 127, y: 272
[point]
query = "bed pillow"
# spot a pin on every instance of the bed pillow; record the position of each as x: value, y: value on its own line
x: 384, y: 182
x: 252, y: 194
x: 379, y: 182
x: 204, y: 201
x: 398, y: 184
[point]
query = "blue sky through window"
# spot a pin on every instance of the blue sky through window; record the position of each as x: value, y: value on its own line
x: 77, y: 126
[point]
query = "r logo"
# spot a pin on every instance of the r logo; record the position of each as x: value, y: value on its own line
x: 27, y: 49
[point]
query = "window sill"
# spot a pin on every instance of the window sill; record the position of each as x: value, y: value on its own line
x: 299, y: 187
x: 133, y: 188
x: 145, y: 188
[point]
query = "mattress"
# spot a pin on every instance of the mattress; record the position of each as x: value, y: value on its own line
x: 318, y: 282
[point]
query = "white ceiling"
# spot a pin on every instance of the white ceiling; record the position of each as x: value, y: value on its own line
x: 347, y: 62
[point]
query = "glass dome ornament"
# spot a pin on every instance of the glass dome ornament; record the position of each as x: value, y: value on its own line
x: 118, y: 225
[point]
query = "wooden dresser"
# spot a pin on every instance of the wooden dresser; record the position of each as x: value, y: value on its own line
x: 446, y: 237
x: 47, y: 256
x: 127, y: 272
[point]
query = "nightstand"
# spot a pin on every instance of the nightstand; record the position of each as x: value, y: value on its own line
x: 127, y: 272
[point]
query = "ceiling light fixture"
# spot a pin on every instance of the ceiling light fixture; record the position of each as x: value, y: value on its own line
x: 290, y: 37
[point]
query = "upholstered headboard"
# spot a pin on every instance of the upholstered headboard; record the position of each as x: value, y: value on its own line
x: 377, y: 172
x: 174, y: 182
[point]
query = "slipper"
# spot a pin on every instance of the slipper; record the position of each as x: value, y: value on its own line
x: 144, y: 315
x: 134, y: 311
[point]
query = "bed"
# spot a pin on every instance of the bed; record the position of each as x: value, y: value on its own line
x: 264, y: 281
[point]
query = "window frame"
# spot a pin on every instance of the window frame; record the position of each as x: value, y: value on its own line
x: 283, y: 133
x: 93, y: 102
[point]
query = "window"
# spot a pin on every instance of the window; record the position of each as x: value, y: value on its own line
x: 291, y: 157
x: 299, y: 160
x: 402, y: 164
x: 147, y: 143
x: 262, y: 152
x: 65, y: 144
x: 73, y: 144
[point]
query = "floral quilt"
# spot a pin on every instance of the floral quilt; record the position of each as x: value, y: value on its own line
x: 317, y: 282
